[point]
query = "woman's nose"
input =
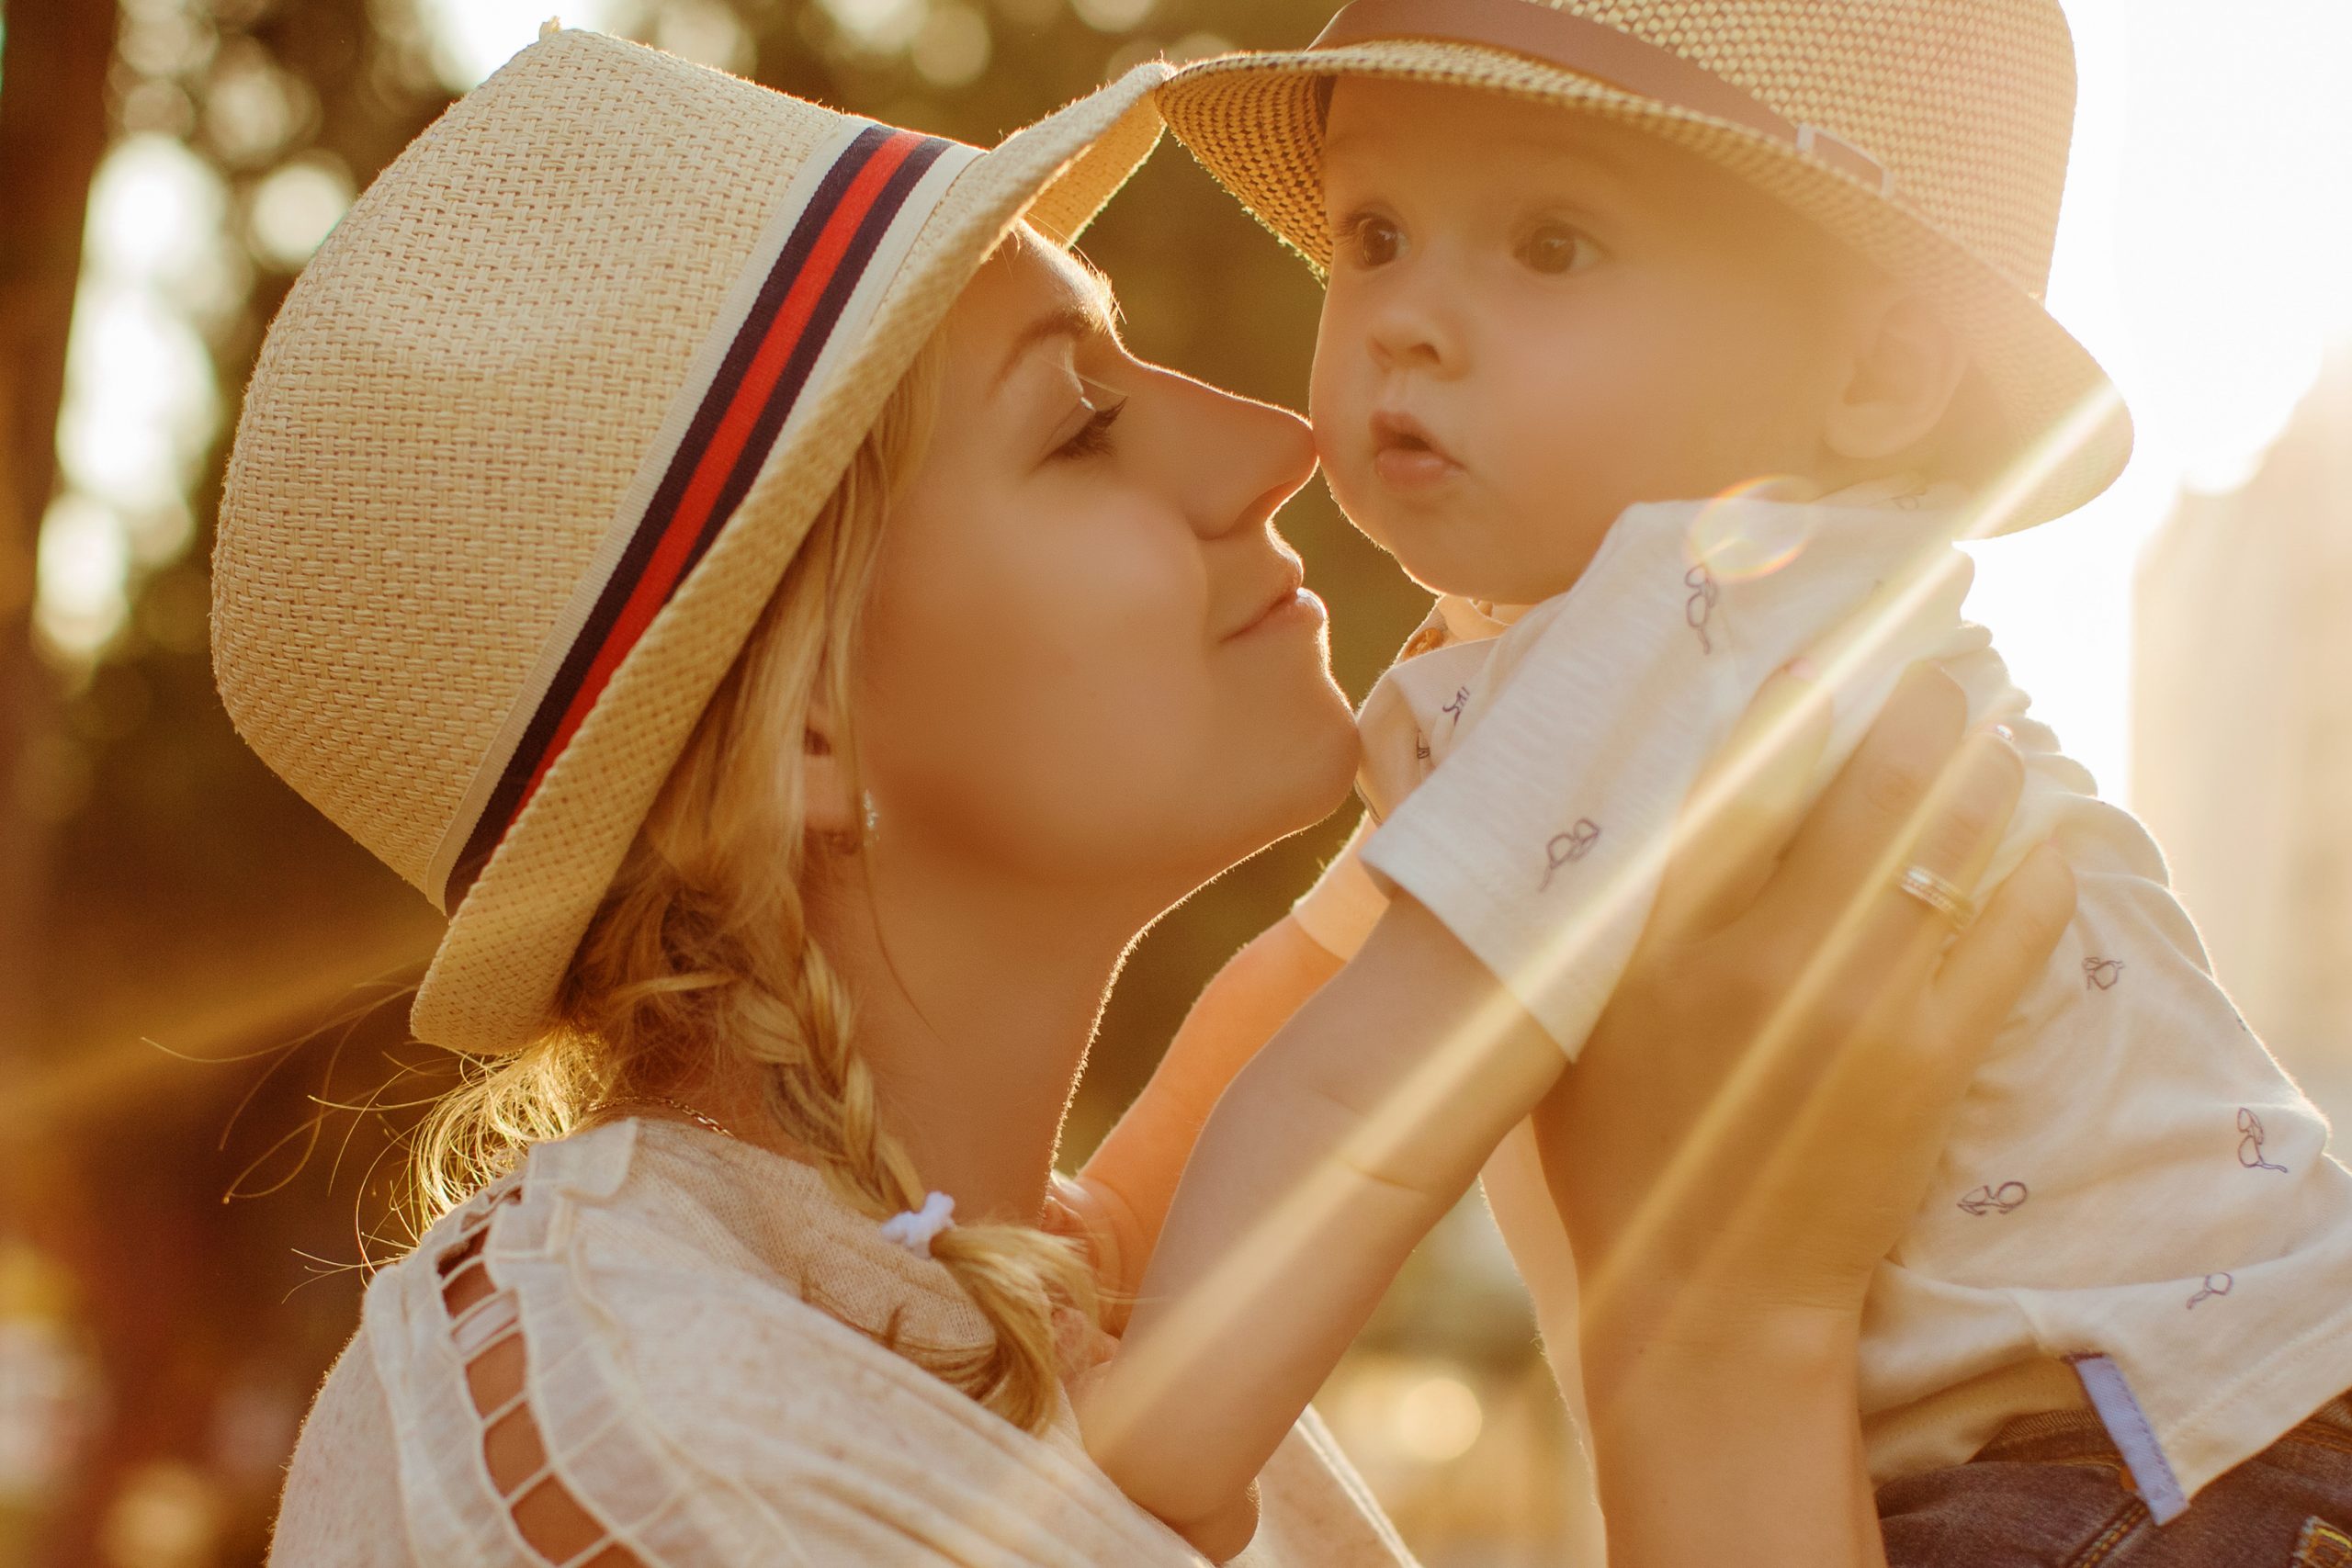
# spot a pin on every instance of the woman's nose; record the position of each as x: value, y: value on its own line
x: 1244, y: 459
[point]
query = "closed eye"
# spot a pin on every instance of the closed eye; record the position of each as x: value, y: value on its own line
x: 1092, y: 439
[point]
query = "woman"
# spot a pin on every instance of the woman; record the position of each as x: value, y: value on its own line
x: 719, y: 551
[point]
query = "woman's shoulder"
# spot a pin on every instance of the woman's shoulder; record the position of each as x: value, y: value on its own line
x: 1315, y: 1511
x: 654, y: 1335
x: 645, y: 1252
x: 637, y: 1337
x: 341, y: 1506
x: 489, y: 1356
x: 656, y: 1205
x: 547, y: 1358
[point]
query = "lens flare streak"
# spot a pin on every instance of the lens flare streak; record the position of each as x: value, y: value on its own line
x: 1249, y: 1281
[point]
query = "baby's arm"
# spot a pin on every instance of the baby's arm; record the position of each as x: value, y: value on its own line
x: 1122, y: 1196
x: 1127, y: 1188
x: 1336, y: 1149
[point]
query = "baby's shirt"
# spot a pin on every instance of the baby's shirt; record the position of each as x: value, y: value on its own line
x: 2131, y: 1186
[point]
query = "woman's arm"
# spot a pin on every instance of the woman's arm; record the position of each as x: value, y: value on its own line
x: 1755, y: 1120
x: 1744, y: 1448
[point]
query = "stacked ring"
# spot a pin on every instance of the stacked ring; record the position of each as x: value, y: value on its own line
x: 1943, y: 896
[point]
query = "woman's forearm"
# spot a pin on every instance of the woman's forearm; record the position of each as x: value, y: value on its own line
x: 1743, y: 1446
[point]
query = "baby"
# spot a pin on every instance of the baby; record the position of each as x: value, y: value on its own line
x: 1601, y: 340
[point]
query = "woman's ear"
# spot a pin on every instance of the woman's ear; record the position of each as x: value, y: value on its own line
x: 1906, y: 370
x: 828, y: 800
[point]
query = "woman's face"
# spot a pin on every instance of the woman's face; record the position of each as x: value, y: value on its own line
x: 1090, y: 660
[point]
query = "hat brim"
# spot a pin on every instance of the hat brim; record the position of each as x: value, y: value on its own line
x: 1255, y: 121
x: 492, y: 982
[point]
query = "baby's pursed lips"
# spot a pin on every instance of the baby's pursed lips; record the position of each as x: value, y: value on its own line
x: 1395, y: 430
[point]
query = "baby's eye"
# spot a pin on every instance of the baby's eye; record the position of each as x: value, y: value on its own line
x: 1368, y: 240
x: 1556, y: 248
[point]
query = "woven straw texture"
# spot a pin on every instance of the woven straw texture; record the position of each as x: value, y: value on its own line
x: 1968, y: 103
x: 444, y: 419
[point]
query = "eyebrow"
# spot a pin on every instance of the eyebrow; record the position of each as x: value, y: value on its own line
x: 1075, y: 322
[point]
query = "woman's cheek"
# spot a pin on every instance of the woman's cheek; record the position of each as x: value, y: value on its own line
x: 1111, y: 711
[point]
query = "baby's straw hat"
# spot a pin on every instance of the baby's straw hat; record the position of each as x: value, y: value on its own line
x: 535, y: 435
x: 1929, y: 135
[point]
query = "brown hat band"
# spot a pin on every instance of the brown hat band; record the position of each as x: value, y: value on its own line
x: 1596, y: 49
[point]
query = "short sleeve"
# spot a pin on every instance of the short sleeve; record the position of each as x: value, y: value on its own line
x: 1558, y: 768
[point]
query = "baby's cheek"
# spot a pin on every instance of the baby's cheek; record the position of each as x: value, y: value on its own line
x: 1359, y: 498
x: 1567, y: 476
x: 1337, y: 407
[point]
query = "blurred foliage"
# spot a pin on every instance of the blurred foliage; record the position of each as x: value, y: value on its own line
x: 199, y: 1115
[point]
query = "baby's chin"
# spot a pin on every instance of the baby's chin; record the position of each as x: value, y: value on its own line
x: 1464, y: 557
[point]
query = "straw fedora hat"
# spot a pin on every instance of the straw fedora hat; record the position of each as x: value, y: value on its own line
x: 535, y: 436
x: 1929, y: 135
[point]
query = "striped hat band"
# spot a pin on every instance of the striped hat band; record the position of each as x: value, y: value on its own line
x: 825, y: 260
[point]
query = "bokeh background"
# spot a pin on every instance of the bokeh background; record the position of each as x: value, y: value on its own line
x: 204, y: 1076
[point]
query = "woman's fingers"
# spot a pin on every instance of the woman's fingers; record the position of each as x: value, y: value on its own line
x: 1954, y: 836
x: 1869, y: 807
x: 1989, y: 968
x: 1745, y: 808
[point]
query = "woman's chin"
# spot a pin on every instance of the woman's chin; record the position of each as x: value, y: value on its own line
x: 1319, y: 758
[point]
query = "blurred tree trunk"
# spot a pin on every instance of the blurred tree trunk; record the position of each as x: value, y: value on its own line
x: 52, y: 128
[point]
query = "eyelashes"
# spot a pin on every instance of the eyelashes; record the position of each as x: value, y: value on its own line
x: 1092, y: 439
x: 1367, y: 238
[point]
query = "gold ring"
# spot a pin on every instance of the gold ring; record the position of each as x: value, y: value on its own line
x: 1944, y: 898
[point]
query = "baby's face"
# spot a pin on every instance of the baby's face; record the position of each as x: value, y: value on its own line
x: 1536, y: 320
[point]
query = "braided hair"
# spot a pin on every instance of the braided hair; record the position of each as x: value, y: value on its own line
x: 702, y: 950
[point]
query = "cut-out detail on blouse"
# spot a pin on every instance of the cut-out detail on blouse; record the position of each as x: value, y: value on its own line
x: 486, y: 1326
x: 705, y: 1410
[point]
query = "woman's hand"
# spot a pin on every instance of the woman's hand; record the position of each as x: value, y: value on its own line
x: 1753, y: 1122
x: 1760, y: 1106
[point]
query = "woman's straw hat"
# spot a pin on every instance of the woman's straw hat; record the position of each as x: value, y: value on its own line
x: 535, y: 436
x: 1929, y: 135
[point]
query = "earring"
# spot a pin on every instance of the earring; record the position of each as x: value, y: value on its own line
x: 873, y: 818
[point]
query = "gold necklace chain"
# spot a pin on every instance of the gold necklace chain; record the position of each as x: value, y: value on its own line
x: 616, y: 1102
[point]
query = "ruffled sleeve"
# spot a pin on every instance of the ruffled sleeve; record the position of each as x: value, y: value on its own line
x: 577, y: 1369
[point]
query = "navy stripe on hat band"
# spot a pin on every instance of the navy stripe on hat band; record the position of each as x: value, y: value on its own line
x: 749, y: 399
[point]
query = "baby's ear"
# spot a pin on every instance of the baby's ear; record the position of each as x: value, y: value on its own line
x: 1906, y: 368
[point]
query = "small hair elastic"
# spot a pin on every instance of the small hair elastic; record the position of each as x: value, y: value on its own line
x: 916, y: 1228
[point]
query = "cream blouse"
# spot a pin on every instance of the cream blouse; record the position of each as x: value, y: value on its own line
x: 694, y: 1402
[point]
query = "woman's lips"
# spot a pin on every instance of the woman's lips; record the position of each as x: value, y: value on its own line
x: 1405, y: 456
x: 1301, y: 607
x: 1295, y: 603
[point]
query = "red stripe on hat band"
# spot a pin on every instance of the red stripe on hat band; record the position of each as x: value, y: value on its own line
x: 717, y: 460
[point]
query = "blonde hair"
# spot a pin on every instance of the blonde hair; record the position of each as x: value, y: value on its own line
x: 701, y: 950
